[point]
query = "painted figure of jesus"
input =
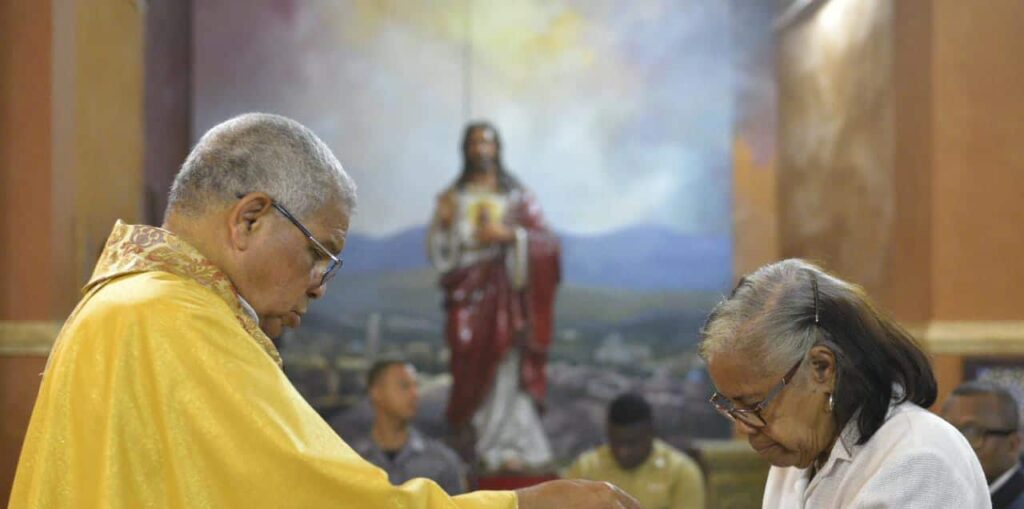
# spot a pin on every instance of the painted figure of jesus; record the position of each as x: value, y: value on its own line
x: 499, y: 266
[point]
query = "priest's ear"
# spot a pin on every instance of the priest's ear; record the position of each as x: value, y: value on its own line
x: 245, y: 219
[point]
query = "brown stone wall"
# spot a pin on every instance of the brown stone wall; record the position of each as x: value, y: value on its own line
x: 836, y: 191
x: 901, y: 164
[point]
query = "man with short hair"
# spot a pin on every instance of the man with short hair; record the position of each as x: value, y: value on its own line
x: 989, y: 417
x: 163, y: 390
x: 658, y: 475
x: 394, y: 444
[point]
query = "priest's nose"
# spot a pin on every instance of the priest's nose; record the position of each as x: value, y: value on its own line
x: 317, y: 291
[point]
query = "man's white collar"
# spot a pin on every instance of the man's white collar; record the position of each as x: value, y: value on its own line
x: 1003, y: 479
x: 248, y: 309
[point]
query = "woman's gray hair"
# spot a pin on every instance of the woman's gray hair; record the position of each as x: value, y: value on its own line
x: 776, y: 315
x: 261, y: 152
x: 766, y: 316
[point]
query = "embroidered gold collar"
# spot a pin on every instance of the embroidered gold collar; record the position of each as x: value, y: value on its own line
x: 140, y: 248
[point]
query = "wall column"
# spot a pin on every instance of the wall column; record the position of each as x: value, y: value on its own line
x: 70, y: 164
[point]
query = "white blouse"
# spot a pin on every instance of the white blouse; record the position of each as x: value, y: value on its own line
x: 914, y: 460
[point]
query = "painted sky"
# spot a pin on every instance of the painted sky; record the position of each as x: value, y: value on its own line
x: 614, y: 113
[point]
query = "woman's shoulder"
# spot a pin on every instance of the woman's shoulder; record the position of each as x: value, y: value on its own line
x: 919, y: 422
x: 915, y: 448
x: 910, y: 430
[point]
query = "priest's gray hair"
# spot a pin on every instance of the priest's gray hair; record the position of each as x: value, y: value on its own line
x: 261, y: 152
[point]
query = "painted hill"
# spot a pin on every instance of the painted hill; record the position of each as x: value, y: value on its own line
x: 644, y: 258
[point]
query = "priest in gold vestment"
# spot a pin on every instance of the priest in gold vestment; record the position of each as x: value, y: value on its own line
x: 164, y: 388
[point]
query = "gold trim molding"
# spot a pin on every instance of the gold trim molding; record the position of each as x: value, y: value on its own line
x: 24, y: 337
x: 992, y: 337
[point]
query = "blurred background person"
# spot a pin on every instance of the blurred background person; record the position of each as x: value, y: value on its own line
x: 394, y: 444
x: 657, y: 474
x: 500, y: 270
x: 989, y: 417
x: 834, y: 395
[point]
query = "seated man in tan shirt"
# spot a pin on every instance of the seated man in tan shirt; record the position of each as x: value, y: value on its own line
x: 658, y: 475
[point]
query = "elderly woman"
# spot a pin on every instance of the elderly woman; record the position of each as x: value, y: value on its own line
x: 833, y: 394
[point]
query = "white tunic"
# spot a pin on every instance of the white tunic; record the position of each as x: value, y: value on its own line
x: 915, y: 460
x: 507, y: 424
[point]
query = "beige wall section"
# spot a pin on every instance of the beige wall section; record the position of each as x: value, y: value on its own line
x: 836, y: 191
x: 107, y: 133
x: 978, y: 207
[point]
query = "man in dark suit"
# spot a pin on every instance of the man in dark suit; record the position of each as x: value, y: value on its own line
x: 989, y: 417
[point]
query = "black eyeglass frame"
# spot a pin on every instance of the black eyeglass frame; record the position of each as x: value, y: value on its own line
x: 334, y: 262
x: 752, y: 416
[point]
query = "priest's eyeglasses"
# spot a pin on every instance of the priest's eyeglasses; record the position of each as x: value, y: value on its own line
x: 333, y: 262
x: 751, y: 417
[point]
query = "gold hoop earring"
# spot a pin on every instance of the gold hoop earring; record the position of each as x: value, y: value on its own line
x: 831, y: 404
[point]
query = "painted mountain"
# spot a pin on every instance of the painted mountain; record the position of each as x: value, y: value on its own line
x: 644, y: 258
x: 641, y: 282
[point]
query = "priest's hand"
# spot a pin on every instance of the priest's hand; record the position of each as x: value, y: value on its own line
x: 575, y: 494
